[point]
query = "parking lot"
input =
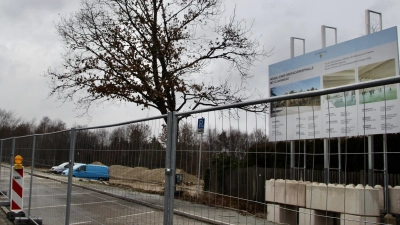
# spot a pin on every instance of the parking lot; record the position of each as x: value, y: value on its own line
x: 99, y: 203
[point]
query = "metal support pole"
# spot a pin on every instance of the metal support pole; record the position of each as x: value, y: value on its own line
x: 71, y: 166
x: 173, y: 163
x: 198, y: 178
x: 368, y: 20
x: 326, y: 161
x: 31, y: 181
x: 292, y: 45
x: 11, y: 164
x: 292, y: 160
x: 371, y: 177
x: 340, y: 160
x: 323, y: 34
x: 326, y: 150
x: 292, y: 145
x: 1, y: 159
x: 385, y: 174
x: 304, y: 163
x: 170, y: 170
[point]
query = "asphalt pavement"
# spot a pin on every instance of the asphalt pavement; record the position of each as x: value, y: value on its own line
x: 3, y: 218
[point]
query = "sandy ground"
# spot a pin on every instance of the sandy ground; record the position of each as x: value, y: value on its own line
x: 150, y: 179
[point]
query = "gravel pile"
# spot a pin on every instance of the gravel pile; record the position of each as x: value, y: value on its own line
x: 145, y: 174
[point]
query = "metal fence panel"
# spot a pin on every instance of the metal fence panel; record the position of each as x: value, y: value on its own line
x: 135, y: 160
x: 235, y: 167
x: 6, y: 152
x: 48, y: 194
x: 227, y: 171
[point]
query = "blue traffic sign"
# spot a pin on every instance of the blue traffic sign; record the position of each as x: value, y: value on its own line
x: 200, y: 124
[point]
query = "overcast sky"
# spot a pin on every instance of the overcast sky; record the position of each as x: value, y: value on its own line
x: 29, y: 45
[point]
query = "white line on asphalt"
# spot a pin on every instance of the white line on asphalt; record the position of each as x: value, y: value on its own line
x: 80, y: 222
x: 137, y: 214
x: 207, y: 218
x: 56, y: 195
x: 55, y: 206
x: 45, y: 182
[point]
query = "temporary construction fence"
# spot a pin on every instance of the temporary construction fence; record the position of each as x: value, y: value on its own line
x: 170, y: 170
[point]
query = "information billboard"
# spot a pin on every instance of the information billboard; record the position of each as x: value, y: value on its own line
x: 360, y: 112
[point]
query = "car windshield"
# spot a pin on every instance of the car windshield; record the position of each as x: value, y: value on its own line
x: 73, y: 168
x: 76, y: 166
x: 63, y: 164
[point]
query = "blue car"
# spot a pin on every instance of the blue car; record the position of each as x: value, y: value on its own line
x: 89, y: 171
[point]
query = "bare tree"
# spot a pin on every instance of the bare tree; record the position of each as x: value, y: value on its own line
x: 152, y: 53
x: 8, y: 122
x: 375, y: 26
x: 47, y: 125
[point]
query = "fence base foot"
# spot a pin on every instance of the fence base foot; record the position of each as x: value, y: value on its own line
x: 27, y: 221
x: 12, y: 215
x: 389, y: 219
x: 4, y: 203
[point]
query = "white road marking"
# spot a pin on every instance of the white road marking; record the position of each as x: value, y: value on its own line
x: 55, y: 206
x: 80, y: 222
x: 137, y: 214
x: 56, y: 195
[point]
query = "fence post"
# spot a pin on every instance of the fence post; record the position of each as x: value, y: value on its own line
x: 11, y: 165
x: 326, y: 161
x: 292, y: 160
x: 371, y: 156
x: 71, y: 165
x: 1, y: 158
x: 385, y: 174
x: 339, y: 161
x: 31, y: 181
x: 170, y: 170
x: 305, y: 162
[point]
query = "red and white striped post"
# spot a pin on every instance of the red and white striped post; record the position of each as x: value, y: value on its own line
x: 17, y: 186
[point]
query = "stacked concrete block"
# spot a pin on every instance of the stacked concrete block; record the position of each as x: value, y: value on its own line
x: 381, y: 198
x: 282, y: 214
x: 315, y: 217
x: 347, y: 219
x: 343, y: 199
x: 319, y: 203
x: 394, y: 199
x: 286, y: 192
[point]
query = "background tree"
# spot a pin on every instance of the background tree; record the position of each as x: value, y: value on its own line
x: 8, y: 123
x: 52, y: 147
x: 152, y: 53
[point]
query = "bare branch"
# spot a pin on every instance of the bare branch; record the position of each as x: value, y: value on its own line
x: 142, y: 52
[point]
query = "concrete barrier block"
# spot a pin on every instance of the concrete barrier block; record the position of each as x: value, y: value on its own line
x: 394, y: 199
x: 381, y: 198
x: 282, y: 214
x: 351, y: 200
x: 314, y: 217
x: 347, y: 219
x: 286, y: 192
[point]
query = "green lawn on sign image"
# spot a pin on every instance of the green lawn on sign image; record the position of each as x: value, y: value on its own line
x: 378, y: 94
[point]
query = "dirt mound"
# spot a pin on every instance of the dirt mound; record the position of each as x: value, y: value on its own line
x: 126, y: 172
x: 97, y: 163
x: 156, y: 175
x: 145, y: 174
